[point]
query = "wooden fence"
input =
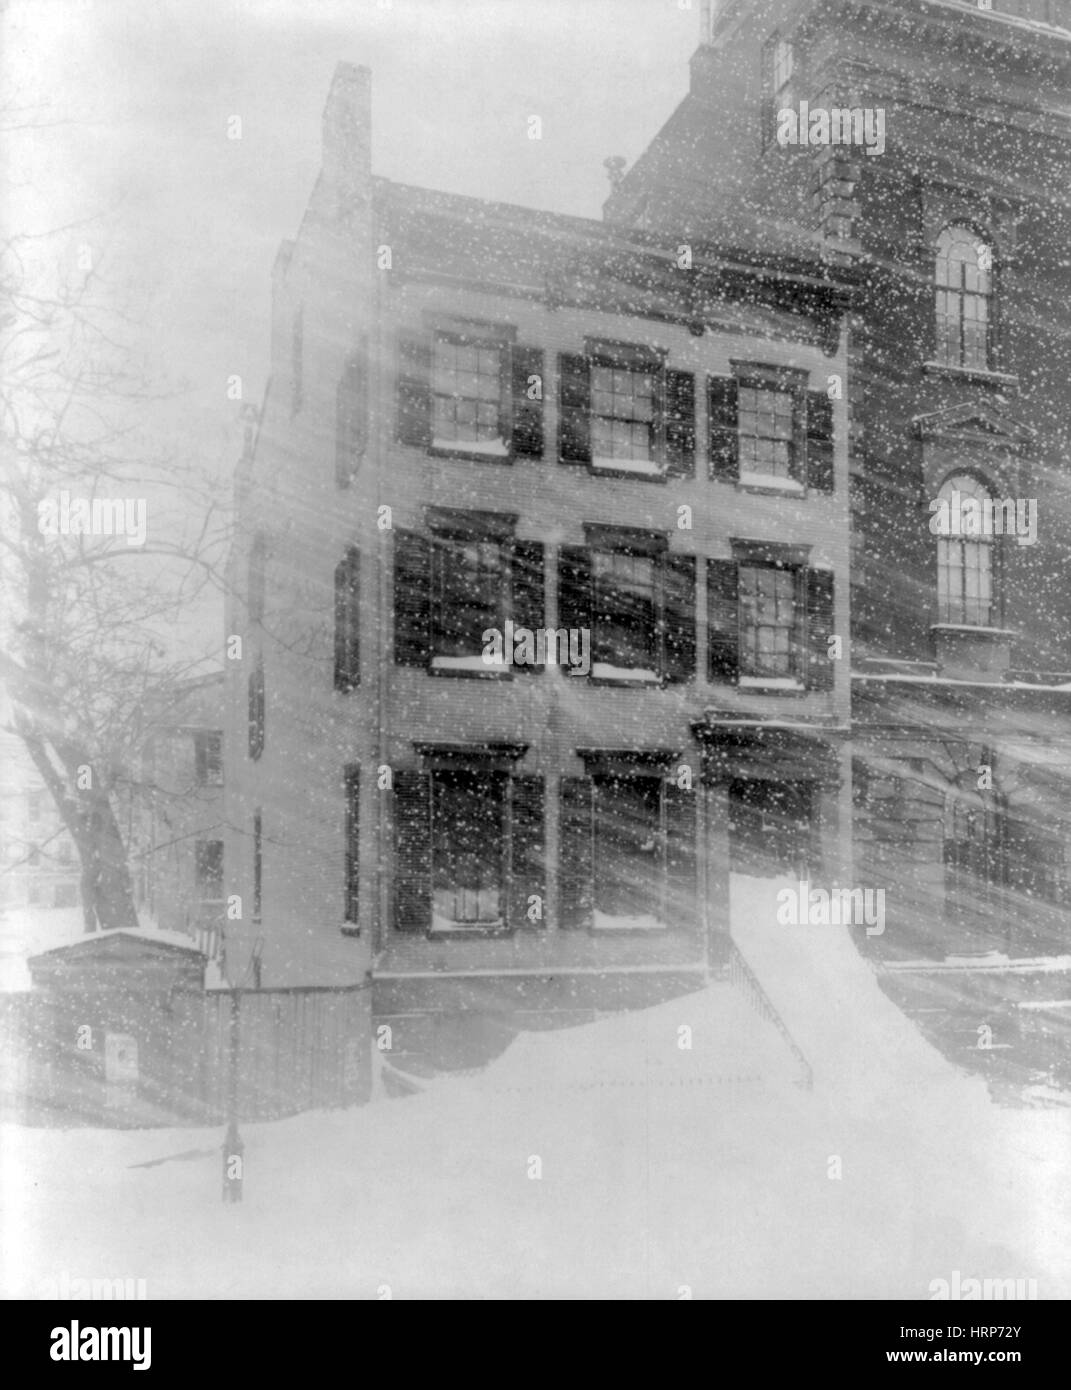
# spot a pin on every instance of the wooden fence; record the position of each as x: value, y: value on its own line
x: 118, y: 1059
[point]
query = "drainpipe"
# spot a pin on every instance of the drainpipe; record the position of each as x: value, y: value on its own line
x: 379, y: 928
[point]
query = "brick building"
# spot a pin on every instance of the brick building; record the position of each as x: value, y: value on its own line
x: 959, y: 357
x: 480, y: 416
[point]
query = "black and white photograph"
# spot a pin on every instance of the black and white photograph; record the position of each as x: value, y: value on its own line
x: 535, y: 657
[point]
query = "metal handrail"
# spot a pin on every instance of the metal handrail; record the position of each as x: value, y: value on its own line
x: 740, y: 973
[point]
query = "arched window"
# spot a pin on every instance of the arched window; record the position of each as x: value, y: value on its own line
x: 965, y: 554
x: 964, y: 287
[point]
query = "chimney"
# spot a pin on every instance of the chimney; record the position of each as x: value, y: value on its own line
x: 347, y: 141
x: 615, y: 169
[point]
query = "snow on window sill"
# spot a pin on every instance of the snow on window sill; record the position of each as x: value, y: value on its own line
x: 602, y: 670
x: 771, y: 683
x: 471, y: 665
x: 605, y: 921
x: 492, y: 448
x: 445, y: 926
x: 970, y: 630
x: 649, y: 468
x: 772, y: 481
x: 982, y: 374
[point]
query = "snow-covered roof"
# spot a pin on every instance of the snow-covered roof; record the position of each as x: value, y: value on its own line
x: 169, y: 940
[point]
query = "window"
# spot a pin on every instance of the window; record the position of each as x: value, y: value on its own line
x: 352, y: 790
x: 468, y: 851
x: 769, y: 624
x: 627, y: 845
x: 635, y: 600
x: 784, y: 64
x: 965, y: 590
x: 467, y: 577
x: 624, y: 412
x: 778, y: 68
x: 66, y: 895
x: 964, y: 299
x: 627, y: 604
x: 467, y: 394
x: 208, y: 861
x: 770, y: 619
x: 35, y: 807
x: 208, y: 758
x: 629, y: 854
x: 258, y: 862
x: 470, y: 594
x: 470, y: 394
x: 767, y: 428
x: 65, y: 852
x: 256, y: 709
x: 623, y: 416
x: 348, y: 621
x: 469, y: 843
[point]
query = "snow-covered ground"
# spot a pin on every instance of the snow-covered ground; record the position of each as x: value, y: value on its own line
x: 606, y: 1161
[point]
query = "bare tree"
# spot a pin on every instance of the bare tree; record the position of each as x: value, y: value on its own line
x: 89, y: 608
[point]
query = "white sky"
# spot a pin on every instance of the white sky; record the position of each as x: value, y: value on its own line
x: 184, y: 223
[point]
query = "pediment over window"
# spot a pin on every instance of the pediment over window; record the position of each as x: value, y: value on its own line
x: 976, y: 421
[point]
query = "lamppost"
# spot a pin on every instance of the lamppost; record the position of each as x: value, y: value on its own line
x: 233, y: 1147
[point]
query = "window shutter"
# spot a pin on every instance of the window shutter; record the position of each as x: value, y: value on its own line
x: 819, y: 441
x: 679, y: 618
x: 680, y: 425
x: 724, y: 429
x: 412, y: 599
x: 529, y: 607
x: 574, y: 587
x: 574, y: 442
x: 352, y: 784
x: 527, y: 850
x: 414, y: 392
x: 723, y: 621
x: 351, y: 407
x: 412, y: 843
x: 256, y: 709
x: 347, y: 621
x: 577, y: 856
x: 527, y: 413
x: 819, y: 599
x: 679, y: 809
